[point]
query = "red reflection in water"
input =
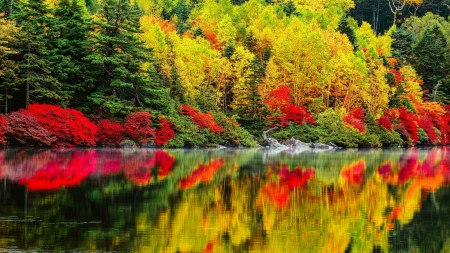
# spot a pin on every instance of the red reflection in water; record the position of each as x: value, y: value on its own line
x: 278, y: 192
x: 408, y: 166
x: 354, y: 173
x: 138, y: 167
x: 385, y: 169
x: 209, y: 248
x: 204, y: 173
x: 62, y: 172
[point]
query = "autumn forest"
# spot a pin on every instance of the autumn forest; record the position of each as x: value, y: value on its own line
x: 195, y: 73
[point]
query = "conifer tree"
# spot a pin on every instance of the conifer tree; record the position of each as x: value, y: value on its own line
x: 402, y: 45
x: 251, y: 110
x: 70, y: 45
x: 118, y: 55
x: 35, y: 71
x: 430, y: 59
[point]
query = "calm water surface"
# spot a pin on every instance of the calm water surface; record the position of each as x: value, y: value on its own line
x: 148, y: 200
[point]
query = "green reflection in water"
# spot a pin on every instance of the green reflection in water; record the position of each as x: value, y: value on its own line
x: 147, y: 200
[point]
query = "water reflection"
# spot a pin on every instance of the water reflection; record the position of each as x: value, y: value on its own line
x: 147, y: 200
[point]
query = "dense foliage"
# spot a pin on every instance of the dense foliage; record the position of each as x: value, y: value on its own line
x: 200, y: 73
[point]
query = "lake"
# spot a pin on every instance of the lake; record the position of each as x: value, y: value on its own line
x: 228, y: 200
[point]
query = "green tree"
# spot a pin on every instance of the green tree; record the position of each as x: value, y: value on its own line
x: 118, y: 55
x: 430, y: 59
x: 402, y: 45
x: 251, y: 110
x: 71, y: 47
x: 35, y: 77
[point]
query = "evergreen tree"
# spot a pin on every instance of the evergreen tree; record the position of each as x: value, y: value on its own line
x: 345, y: 28
x: 402, y: 45
x: 252, y: 111
x: 118, y: 55
x: 430, y: 59
x: 70, y: 45
x: 35, y: 70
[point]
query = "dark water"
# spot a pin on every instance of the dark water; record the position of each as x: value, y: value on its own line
x: 145, y: 200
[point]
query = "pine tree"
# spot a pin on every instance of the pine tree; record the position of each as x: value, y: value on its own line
x: 402, y: 46
x: 118, y: 55
x: 345, y: 28
x: 35, y: 78
x: 430, y: 59
x: 70, y: 45
x: 252, y: 111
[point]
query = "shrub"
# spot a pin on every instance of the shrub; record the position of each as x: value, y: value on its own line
x: 26, y: 131
x: 355, y: 119
x: 164, y: 133
x: 69, y: 126
x: 4, y: 129
x: 202, y: 120
x: 138, y: 127
x: 109, y: 132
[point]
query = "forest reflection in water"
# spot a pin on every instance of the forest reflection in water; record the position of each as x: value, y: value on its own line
x: 230, y: 200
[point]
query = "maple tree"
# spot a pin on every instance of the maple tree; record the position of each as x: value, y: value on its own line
x: 164, y: 133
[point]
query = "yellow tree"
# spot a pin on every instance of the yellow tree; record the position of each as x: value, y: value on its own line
x: 302, y: 58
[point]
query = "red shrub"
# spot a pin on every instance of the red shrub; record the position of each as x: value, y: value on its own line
x: 444, y: 127
x: 298, y: 114
x: 138, y: 127
x: 109, y: 132
x: 202, y: 120
x: 355, y: 119
x: 385, y: 122
x: 409, y: 122
x: 69, y: 126
x: 164, y: 133
x: 279, y: 99
x: 426, y: 123
x: 26, y: 131
x: 4, y: 129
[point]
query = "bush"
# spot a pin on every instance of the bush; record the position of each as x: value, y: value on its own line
x: 109, y: 132
x: 69, y: 126
x: 202, y: 120
x: 138, y: 127
x: 164, y: 133
x: 4, y: 129
x: 26, y: 131
x: 187, y: 133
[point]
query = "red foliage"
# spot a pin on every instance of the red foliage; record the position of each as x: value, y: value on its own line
x: 444, y: 127
x: 164, y: 133
x: 203, y: 173
x: 4, y: 129
x: 385, y: 169
x: 426, y: 123
x: 138, y: 127
x: 298, y: 114
x: 26, y: 130
x: 202, y: 120
x: 69, y: 126
x: 385, y: 122
x: 409, y: 123
x: 279, y: 99
x: 398, y: 77
x: 355, y: 119
x: 62, y: 172
x: 109, y: 132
